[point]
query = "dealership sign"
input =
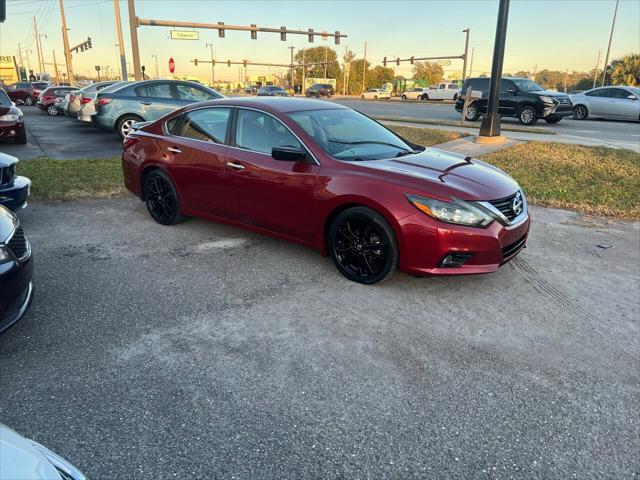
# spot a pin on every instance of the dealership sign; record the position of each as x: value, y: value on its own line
x: 8, y: 70
x: 184, y: 35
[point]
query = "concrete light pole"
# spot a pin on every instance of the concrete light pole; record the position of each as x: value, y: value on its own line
x: 123, y: 61
x: 606, y: 58
x: 490, y: 126
x: 213, y: 64
x: 466, y: 54
x: 156, y: 58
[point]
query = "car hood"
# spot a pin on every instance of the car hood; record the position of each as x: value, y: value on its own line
x: 442, y: 173
x: 550, y: 93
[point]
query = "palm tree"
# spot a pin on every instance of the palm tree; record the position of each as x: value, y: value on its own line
x: 626, y: 70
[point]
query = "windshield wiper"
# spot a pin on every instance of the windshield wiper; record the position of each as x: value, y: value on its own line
x: 406, y: 152
x: 371, y: 142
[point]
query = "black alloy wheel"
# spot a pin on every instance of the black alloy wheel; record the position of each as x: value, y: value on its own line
x: 161, y: 198
x: 580, y: 112
x: 363, y: 245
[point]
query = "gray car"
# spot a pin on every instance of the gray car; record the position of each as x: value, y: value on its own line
x: 145, y: 101
x: 74, y: 98
x: 24, y: 459
x: 88, y: 107
x: 615, y: 103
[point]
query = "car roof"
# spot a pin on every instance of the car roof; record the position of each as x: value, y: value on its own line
x: 272, y: 104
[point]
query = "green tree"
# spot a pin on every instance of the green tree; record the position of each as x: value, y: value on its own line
x: 378, y: 76
x: 430, y: 72
x: 523, y: 74
x: 314, y: 55
x: 626, y: 70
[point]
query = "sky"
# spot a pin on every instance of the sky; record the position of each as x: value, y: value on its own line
x: 553, y: 34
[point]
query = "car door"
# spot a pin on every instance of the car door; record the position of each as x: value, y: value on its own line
x: 153, y: 100
x: 195, y: 149
x: 623, y: 107
x: 598, y: 102
x: 271, y: 194
x: 508, y: 98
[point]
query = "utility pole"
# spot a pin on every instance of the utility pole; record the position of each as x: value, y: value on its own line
x: 566, y: 74
x: 65, y: 40
x: 123, y: 61
x: 20, y: 55
x: 364, y: 66
x: 213, y: 65
x: 466, y: 52
x: 344, y: 71
x: 35, y: 31
x: 326, y: 51
x: 135, y: 50
x: 490, y: 126
x: 156, y: 57
x: 471, y: 65
x: 595, y: 72
x: 606, y: 59
x: 291, y: 72
x: 304, y: 72
x: 55, y: 67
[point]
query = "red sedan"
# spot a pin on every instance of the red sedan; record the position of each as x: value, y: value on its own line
x: 11, y: 122
x: 329, y: 177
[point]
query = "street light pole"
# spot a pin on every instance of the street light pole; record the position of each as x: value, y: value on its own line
x: 123, y: 61
x: 466, y: 54
x: 156, y: 58
x: 606, y: 59
x: 213, y: 65
x: 490, y: 126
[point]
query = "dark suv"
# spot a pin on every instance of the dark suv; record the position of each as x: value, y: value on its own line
x: 520, y: 98
x: 320, y: 90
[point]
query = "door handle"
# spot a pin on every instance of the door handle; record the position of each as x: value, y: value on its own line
x: 174, y: 150
x: 235, y: 166
x: 145, y: 102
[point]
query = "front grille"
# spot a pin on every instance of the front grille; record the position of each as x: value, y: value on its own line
x: 564, y: 101
x: 505, y: 205
x: 19, y: 244
x: 7, y: 174
x: 512, y: 249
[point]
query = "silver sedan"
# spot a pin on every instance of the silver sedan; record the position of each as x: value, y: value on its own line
x: 616, y: 103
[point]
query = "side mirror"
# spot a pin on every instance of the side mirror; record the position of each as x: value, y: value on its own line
x: 289, y: 154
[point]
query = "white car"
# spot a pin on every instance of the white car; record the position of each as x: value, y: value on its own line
x: 442, y: 91
x: 619, y: 103
x: 414, y: 93
x: 375, y: 93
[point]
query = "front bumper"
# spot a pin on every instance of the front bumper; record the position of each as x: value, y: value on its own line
x: 14, y: 195
x: 16, y: 291
x: 426, y: 242
x: 10, y: 129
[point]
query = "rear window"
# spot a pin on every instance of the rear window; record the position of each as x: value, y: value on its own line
x: 481, y: 84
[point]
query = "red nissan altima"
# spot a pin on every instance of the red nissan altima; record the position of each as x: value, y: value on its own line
x: 329, y: 177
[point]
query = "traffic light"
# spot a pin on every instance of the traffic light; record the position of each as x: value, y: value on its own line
x: 228, y: 63
x: 337, y: 38
x: 89, y: 45
x: 398, y: 61
x: 384, y: 61
x: 411, y: 60
x: 254, y: 32
x: 214, y: 62
x: 311, y: 35
x: 195, y: 62
x: 244, y: 63
x: 221, y: 30
x: 283, y: 34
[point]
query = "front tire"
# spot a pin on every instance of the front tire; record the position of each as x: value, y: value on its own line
x: 28, y: 101
x: 580, y: 112
x: 21, y: 137
x: 51, y: 110
x: 424, y: 97
x: 125, y: 124
x: 404, y: 97
x: 473, y: 113
x: 527, y: 116
x: 161, y: 198
x: 363, y: 246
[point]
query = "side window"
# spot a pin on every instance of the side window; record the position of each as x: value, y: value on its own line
x: 619, y: 93
x: 207, y: 125
x: 193, y: 94
x: 157, y: 90
x: 602, y: 92
x: 173, y: 124
x: 261, y: 132
x: 24, y: 85
x: 441, y: 86
x: 453, y: 86
x: 506, y: 85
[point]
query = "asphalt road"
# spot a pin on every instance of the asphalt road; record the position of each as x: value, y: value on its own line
x: 64, y: 137
x: 622, y: 134
x: 201, y: 351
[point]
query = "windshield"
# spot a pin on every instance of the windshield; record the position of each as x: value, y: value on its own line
x: 635, y: 90
x: 527, y: 85
x: 348, y: 135
x: 4, y: 99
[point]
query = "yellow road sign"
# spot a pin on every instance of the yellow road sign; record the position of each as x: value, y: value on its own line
x: 185, y: 35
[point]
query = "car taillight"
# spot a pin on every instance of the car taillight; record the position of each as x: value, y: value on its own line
x: 87, y: 100
x: 130, y: 142
x: 103, y: 101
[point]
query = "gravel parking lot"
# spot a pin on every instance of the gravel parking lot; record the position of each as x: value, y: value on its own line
x: 202, y: 351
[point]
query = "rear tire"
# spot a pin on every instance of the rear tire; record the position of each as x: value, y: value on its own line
x: 51, y: 110
x: 21, y: 137
x: 424, y: 97
x: 28, y: 101
x: 363, y: 246
x: 580, y: 112
x: 124, y: 124
x: 403, y: 97
x: 161, y: 198
x: 527, y: 116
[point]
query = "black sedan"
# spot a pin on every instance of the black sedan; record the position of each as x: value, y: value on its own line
x: 14, y: 189
x: 16, y: 270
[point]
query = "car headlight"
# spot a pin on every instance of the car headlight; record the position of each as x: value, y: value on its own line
x: 9, y: 118
x: 546, y: 99
x: 458, y: 211
x: 5, y: 256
